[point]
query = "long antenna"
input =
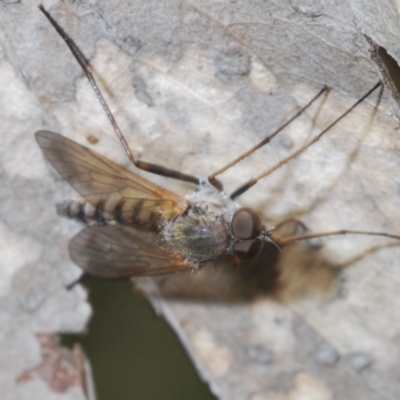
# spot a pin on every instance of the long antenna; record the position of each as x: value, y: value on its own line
x: 246, y: 186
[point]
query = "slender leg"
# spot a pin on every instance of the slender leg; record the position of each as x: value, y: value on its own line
x: 246, y: 186
x: 212, y: 178
x: 153, y: 168
x: 284, y: 241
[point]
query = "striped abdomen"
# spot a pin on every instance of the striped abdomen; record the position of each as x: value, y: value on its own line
x: 137, y: 214
x: 84, y: 211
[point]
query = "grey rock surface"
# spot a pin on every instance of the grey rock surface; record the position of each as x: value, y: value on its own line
x: 192, y: 85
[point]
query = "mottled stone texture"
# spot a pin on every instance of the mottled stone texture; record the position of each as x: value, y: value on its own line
x: 192, y: 84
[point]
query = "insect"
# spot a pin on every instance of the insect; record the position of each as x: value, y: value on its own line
x: 135, y: 227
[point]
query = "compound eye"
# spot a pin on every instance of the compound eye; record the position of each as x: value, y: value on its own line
x: 246, y: 250
x: 246, y: 224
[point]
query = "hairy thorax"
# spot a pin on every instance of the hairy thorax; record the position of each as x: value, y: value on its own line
x: 201, y: 233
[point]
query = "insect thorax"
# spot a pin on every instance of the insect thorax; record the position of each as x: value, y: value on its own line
x: 202, y: 232
x: 198, y: 235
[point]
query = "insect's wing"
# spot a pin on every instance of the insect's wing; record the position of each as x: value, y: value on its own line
x: 118, y: 251
x: 132, y: 199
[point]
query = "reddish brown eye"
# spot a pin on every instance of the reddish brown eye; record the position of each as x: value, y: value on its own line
x: 246, y: 250
x: 246, y: 224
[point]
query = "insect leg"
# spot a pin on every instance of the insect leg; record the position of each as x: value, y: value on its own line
x: 246, y: 186
x: 292, y: 239
x: 212, y: 178
x: 83, y: 62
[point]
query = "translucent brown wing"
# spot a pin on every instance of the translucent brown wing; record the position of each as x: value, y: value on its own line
x: 120, y: 251
x: 100, y: 180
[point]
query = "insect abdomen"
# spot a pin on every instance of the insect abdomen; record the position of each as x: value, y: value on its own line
x: 140, y: 214
x: 84, y: 211
x: 136, y: 214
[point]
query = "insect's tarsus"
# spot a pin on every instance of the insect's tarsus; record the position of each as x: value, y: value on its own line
x: 149, y: 167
